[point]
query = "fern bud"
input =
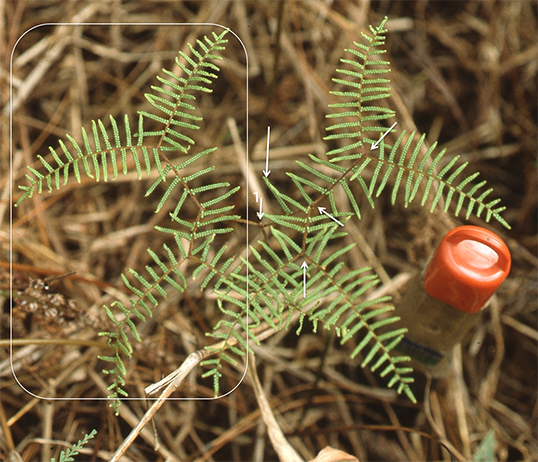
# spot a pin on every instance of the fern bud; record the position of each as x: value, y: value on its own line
x: 443, y: 303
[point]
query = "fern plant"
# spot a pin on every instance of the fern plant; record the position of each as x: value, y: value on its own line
x: 294, y: 274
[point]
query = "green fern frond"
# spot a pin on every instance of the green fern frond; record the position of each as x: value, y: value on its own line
x: 162, y: 276
x: 346, y: 314
x: 67, y: 455
x: 147, y: 293
x: 92, y: 159
x: 411, y: 178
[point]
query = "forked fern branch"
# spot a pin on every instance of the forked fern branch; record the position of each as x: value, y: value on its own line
x: 276, y: 292
x: 103, y: 156
x: 403, y: 166
x: 407, y: 165
x: 100, y: 150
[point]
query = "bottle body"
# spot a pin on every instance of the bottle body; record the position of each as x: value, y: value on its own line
x: 434, y: 328
x: 443, y: 303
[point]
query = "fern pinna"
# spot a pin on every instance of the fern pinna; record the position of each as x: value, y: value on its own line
x: 295, y: 274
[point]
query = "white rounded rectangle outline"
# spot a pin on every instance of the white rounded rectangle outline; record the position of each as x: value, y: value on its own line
x: 190, y: 361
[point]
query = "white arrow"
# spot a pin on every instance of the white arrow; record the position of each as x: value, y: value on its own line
x: 260, y: 213
x: 375, y: 145
x: 304, y: 266
x: 322, y: 210
x: 267, y: 171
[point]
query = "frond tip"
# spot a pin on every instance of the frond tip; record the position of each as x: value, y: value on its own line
x: 170, y: 99
x: 365, y: 86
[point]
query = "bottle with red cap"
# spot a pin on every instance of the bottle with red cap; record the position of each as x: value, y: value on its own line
x: 443, y: 303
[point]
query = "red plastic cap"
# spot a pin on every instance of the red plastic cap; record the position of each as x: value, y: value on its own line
x: 467, y: 268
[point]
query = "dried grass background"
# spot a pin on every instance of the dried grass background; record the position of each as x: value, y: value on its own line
x: 463, y: 72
